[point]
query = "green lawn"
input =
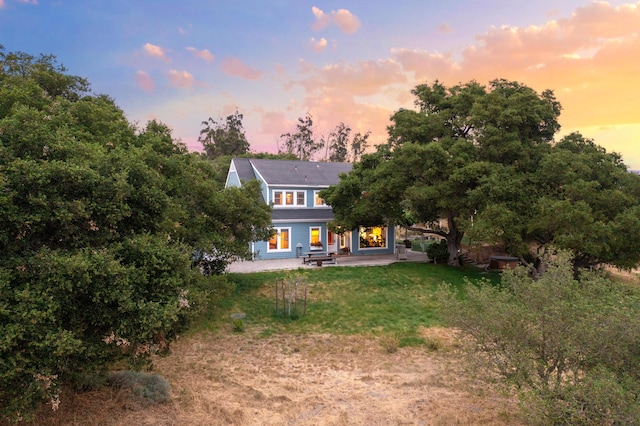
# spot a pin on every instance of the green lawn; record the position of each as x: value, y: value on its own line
x: 394, y: 299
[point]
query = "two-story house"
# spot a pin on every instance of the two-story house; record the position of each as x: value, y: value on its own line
x: 300, y: 217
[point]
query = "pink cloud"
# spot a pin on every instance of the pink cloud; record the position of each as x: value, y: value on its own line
x: 444, y: 28
x: 363, y: 79
x: 342, y: 18
x: 1, y: 4
x: 202, y: 54
x: 272, y: 122
x: 425, y: 64
x: 180, y: 79
x: 145, y: 82
x: 347, y: 22
x: 329, y: 107
x: 229, y: 109
x: 156, y: 52
x: 322, y: 19
x: 600, y: 19
x: 318, y: 45
x: 235, y: 67
x: 589, y: 56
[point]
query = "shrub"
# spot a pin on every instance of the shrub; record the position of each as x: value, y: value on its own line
x: 438, y: 252
x: 390, y: 343
x: 238, y: 325
x: 433, y: 343
x: 146, y: 388
x: 570, y: 346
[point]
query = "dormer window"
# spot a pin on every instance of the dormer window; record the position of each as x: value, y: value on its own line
x: 289, y: 198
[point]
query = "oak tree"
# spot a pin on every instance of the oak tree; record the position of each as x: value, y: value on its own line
x: 99, y: 221
x: 440, y: 153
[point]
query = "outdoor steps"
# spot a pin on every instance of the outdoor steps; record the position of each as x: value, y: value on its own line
x: 467, y: 260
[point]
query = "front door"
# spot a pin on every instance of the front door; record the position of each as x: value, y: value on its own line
x: 332, y: 242
x: 344, y: 239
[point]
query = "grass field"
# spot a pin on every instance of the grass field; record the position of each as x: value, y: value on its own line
x: 370, y: 350
x: 395, y: 298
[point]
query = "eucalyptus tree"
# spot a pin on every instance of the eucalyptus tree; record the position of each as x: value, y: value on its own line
x: 224, y: 137
x: 342, y: 147
x: 303, y: 143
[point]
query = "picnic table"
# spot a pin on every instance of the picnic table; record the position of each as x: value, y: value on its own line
x: 318, y: 257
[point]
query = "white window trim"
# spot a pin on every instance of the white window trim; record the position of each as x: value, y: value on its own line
x: 283, y: 198
x: 319, y: 228
x: 315, y: 197
x: 386, y: 240
x: 280, y: 250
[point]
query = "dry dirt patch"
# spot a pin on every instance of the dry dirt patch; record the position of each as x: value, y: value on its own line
x: 244, y: 379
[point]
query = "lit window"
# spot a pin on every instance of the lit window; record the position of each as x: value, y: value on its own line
x: 277, y: 198
x: 318, y: 201
x: 315, y: 237
x: 373, y: 237
x: 289, y: 198
x: 280, y: 240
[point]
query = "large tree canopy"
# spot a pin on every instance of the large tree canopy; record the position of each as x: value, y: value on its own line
x: 99, y: 221
x: 484, y: 159
x: 438, y: 154
x: 579, y: 198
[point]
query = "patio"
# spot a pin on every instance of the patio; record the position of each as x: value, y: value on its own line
x: 287, y: 264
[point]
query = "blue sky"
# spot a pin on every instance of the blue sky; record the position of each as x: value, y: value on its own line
x: 356, y: 62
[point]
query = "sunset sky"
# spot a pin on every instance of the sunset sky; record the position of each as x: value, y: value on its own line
x: 342, y: 61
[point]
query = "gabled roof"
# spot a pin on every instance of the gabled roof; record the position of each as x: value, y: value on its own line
x: 244, y: 169
x: 295, y: 173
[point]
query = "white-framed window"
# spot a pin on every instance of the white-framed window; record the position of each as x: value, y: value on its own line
x: 280, y: 241
x: 289, y: 198
x: 373, y: 237
x: 317, y: 200
x: 315, y: 239
x: 277, y: 198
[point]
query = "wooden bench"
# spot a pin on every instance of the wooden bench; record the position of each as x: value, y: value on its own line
x: 318, y: 257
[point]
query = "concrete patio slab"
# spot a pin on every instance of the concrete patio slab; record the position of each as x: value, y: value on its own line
x: 289, y: 264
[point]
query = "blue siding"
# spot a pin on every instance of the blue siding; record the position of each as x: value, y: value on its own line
x: 299, y: 230
x: 233, y: 179
x: 300, y: 233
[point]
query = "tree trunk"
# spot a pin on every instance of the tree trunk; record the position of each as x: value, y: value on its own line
x: 454, y: 239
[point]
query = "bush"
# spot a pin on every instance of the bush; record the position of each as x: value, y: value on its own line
x: 438, y: 252
x: 146, y: 388
x: 390, y: 343
x: 570, y: 346
x: 238, y: 326
x: 98, y: 220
